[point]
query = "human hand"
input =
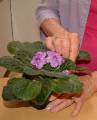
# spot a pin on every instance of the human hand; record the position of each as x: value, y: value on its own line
x: 64, y: 43
x: 60, y: 102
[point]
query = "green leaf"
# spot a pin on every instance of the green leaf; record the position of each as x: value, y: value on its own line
x: 69, y: 84
x: 35, y: 46
x: 46, y: 90
x: 21, y: 89
x: 26, y: 90
x: 31, y: 71
x: 82, y: 70
x: 48, y: 67
x: 24, y: 56
x: 11, y: 64
x: 67, y: 65
x: 16, y: 65
x: 7, y: 93
x: 83, y: 56
x: 14, y: 46
x: 30, y: 47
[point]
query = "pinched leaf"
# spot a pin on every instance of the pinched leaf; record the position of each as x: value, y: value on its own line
x: 83, y: 56
x: 26, y: 90
x: 68, y: 84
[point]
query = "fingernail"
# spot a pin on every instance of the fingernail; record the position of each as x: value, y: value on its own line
x: 48, y: 108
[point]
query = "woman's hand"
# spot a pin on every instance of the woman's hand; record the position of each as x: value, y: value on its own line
x: 60, y: 40
x: 64, y: 43
x: 60, y: 102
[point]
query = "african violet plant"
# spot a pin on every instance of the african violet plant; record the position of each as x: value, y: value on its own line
x: 44, y: 72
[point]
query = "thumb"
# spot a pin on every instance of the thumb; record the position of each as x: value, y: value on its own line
x: 49, y: 43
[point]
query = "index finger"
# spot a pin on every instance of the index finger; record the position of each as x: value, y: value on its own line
x: 74, y: 46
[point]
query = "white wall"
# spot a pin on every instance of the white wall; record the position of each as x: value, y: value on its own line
x: 5, y: 28
x: 24, y: 22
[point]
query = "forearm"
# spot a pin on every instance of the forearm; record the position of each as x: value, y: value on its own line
x: 52, y: 27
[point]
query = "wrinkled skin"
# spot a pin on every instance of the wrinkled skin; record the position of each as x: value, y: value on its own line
x: 57, y: 103
x: 64, y: 44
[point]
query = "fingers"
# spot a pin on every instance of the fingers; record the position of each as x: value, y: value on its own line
x: 74, y: 48
x: 62, y: 105
x: 60, y: 44
x: 59, y: 104
x: 57, y: 44
x: 49, y: 43
x: 54, y: 103
x: 78, y: 106
x: 66, y: 45
x: 54, y: 96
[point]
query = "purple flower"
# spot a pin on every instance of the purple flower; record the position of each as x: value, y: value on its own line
x: 54, y: 59
x: 39, y: 60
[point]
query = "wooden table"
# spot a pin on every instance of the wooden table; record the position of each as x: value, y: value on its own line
x: 89, y: 111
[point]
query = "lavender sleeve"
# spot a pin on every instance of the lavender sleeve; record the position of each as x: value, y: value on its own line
x: 47, y: 9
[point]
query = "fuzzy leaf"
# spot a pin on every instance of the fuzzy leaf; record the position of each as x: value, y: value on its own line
x: 24, y: 56
x: 14, y: 46
x: 46, y: 90
x: 7, y: 93
x: 67, y: 65
x: 48, y: 67
x: 83, y: 56
x: 35, y: 47
x: 34, y: 72
x: 31, y: 48
x: 69, y: 84
x: 26, y: 90
x: 82, y: 70
x: 11, y: 64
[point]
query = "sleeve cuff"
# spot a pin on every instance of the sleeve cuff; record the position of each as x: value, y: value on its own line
x: 45, y: 14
